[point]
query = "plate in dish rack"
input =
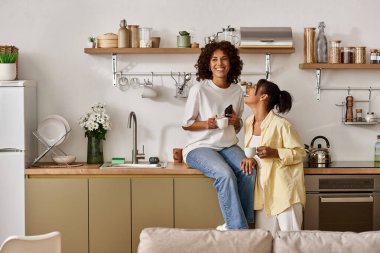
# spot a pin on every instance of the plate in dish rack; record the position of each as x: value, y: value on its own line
x: 67, y: 126
x: 52, y: 130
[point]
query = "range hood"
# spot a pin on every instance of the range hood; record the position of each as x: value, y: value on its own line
x: 279, y: 37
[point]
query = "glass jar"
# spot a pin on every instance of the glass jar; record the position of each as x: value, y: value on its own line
x: 359, y: 115
x: 360, y: 55
x: 334, y: 51
x: 347, y: 55
x: 135, y: 36
x: 373, y: 56
x: 145, y: 37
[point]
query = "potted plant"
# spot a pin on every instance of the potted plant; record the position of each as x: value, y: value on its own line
x: 183, y: 39
x: 8, y: 70
x: 91, y: 42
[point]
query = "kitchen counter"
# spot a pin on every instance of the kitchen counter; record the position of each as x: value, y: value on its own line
x: 341, y: 167
x: 344, y: 167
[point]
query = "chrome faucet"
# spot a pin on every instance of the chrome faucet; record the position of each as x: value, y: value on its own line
x: 135, y: 153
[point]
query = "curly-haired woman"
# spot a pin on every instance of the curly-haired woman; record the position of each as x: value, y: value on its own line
x: 212, y: 150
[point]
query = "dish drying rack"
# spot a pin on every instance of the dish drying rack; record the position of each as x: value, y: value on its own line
x: 48, y: 147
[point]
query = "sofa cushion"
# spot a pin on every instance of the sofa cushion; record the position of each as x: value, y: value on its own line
x: 170, y: 240
x: 324, y: 241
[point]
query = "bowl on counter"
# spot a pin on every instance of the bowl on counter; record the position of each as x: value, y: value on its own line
x: 64, y: 159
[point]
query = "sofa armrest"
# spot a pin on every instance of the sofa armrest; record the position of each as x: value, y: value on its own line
x: 325, y: 242
x: 170, y: 240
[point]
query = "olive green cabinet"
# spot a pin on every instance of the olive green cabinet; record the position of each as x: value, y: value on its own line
x: 62, y: 205
x: 196, y: 203
x: 110, y: 215
x: 107, y: 214
x: 152, y: 205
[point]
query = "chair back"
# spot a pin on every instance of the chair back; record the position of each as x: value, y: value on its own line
x: 46, y: 243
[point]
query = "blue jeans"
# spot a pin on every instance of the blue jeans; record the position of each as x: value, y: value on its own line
x: 234, y: 187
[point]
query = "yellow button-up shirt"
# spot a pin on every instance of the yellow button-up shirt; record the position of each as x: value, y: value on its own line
x: 283, y: 177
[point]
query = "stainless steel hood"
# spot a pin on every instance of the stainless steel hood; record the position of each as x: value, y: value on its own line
x: 279, y: 37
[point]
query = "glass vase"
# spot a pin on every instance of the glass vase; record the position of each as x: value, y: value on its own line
x: 94, y: 150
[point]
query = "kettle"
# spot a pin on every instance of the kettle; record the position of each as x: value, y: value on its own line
x: 319, y: 156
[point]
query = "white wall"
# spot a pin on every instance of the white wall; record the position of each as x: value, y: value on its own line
x: 51, y: 35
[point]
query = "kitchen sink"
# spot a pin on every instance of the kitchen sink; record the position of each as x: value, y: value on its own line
x: 130, y: 165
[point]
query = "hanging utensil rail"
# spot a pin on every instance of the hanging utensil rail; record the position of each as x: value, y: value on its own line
x: 178, y: 73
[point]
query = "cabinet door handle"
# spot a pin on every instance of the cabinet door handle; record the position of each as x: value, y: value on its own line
x: 346, y: 199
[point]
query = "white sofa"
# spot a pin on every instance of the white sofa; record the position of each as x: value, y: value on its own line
x: 170, y: 240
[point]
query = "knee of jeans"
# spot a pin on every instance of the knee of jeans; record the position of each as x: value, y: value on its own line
x: 226, y: 175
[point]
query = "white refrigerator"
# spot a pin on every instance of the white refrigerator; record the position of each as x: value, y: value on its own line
x: 18, y: 148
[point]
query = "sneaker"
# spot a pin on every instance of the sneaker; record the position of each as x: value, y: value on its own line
x: 222, y: 227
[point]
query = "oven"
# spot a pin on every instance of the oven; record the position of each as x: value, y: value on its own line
x: 342, y: 202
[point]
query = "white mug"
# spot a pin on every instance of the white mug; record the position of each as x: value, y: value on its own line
x: 222, y: 123
x: 148, y: 92
x: 250, y: 152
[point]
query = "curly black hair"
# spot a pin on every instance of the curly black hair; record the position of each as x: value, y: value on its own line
x: 203, y: 63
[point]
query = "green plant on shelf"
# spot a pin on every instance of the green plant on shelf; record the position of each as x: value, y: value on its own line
x: 8, y: 57
x: 91, y: 39
x: 184, y: 33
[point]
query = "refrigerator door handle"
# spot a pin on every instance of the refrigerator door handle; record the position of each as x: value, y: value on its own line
x: 10, y: 150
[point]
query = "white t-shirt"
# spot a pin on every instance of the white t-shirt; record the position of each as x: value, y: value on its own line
x: 254, y: 143
x: 206, y: 100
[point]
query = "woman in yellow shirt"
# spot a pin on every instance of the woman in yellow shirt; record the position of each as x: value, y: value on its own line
x: 279, y: 189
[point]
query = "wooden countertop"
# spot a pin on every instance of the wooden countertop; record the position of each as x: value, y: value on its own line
x: 342, y: 168
x: 93, y: 169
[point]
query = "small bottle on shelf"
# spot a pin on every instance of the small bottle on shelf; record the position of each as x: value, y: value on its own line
x: 359, y: 115
x: 377, y: 152
x: 373, y: 56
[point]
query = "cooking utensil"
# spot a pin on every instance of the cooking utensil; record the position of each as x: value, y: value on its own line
x: 319, y: 155
x: 185, y: 80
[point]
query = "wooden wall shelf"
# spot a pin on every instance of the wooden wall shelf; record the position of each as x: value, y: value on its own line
x: 268, y: 51
x: 338, y: 66
x: 182, y: 50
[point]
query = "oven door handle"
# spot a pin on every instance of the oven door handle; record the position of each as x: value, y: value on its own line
x: 346, y: 199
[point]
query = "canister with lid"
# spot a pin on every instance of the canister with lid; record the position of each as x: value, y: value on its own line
x: 145, y: 37
x: 308, y: 45
x: 135, y: 36
x: 347, y: 55
x: 360, y: 55
x: 334, y: 51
